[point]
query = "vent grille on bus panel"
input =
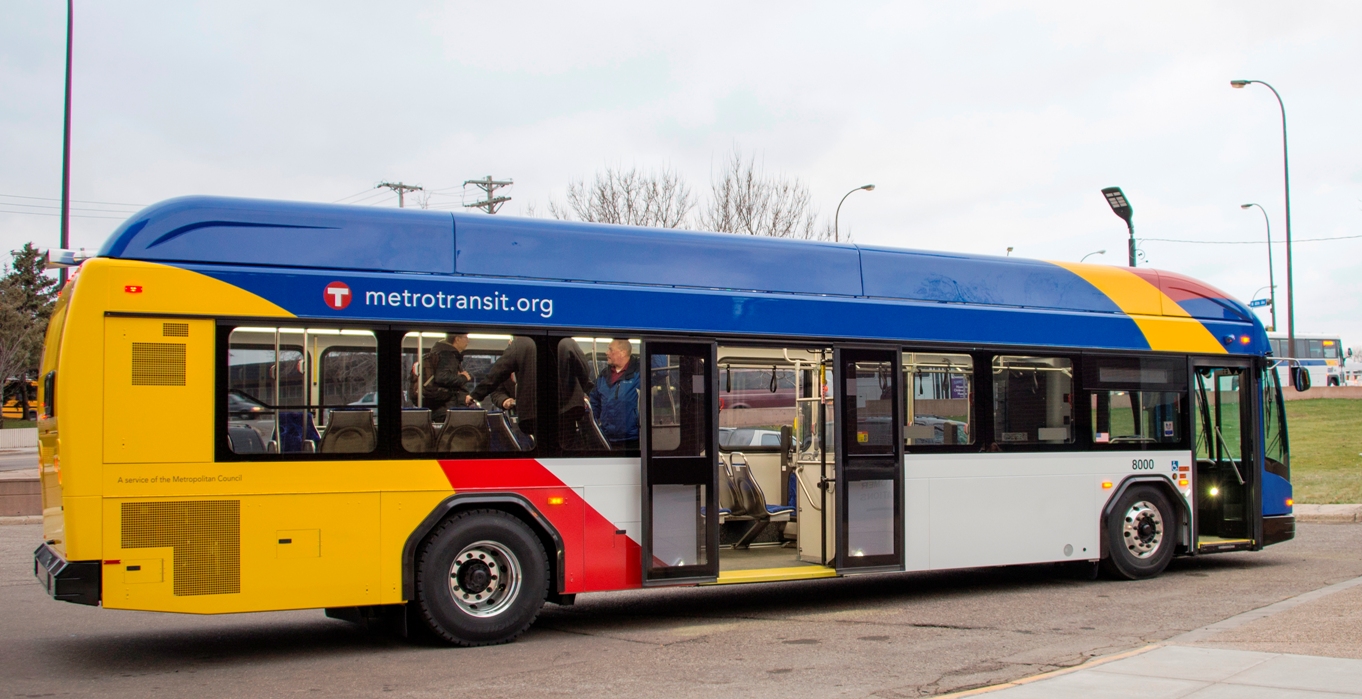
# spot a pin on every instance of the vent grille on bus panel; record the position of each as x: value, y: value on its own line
x: 205, y: 536
x: 175, y: 329
x: 158, y: 364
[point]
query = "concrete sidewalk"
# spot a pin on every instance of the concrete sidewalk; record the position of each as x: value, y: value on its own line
x: 1260, y: 653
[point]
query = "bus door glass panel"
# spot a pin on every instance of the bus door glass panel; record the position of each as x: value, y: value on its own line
x: 1223, y: 451
x: 869, y: 460
x: 680, y: 463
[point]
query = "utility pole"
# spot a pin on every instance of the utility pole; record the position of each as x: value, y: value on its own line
x: 401, y: 190
x: 489, y: 186
x: 66, y: 150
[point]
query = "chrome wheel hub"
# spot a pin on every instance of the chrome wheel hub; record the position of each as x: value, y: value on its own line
x: 484, y: 579
x: 1142, y: 529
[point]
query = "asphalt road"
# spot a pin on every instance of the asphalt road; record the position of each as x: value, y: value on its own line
x: 18, y: 460
x: 901, y: 635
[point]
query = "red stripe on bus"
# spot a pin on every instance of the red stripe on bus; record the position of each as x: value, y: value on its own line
x: 595, y: 556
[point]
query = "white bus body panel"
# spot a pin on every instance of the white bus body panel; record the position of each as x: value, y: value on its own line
x: 972, y: 510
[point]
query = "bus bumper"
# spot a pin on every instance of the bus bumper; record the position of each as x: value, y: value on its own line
x: 1278, y: 529
x: 69, y: 581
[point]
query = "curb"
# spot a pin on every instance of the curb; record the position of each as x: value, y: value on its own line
x: 1094, y: 662
x: 1328, y: 514
x: 21, y: 519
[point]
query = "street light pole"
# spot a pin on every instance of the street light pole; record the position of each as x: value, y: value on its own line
x: 66, y: 152
x: 1095, y: 252
x: 1120, y: 206
x: 836, y: 232
x: 1286, y: 181
x: 1271, y: 284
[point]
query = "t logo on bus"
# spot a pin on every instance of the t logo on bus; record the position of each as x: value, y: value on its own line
x: 337, y: 295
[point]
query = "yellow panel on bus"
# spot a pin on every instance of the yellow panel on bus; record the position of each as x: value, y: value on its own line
x: 158, y: 390
x: 237, y: 554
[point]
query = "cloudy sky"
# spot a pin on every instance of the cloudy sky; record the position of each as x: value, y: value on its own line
x: 984, y: 125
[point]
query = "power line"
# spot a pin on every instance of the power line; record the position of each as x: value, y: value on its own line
x: 79, y: 201
x: 43, y: 213
x: 1246, y: 242
x: 77, y: 208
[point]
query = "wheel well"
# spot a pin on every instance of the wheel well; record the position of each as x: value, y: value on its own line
x: 1180, y: 507
x: 510, y: 503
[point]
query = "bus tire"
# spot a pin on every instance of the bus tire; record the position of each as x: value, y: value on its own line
x: 1140, y: 534
x: 481, y: 579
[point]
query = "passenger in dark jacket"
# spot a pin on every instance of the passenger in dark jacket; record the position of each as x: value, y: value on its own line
x: 614, y: 399
x: 516, y: 367
x: 446, y: 382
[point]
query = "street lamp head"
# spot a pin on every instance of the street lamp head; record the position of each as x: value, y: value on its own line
x: 1245, y: 206
x: 1119, y: 205
x: 869, y: 188
x: 1239, y: 84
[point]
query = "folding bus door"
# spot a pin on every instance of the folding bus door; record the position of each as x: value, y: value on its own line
x: 1227, y: 494
x: 869, y: 470
x: 680, y: 462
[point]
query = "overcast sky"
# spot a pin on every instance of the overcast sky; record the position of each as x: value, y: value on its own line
x: 983, y: 125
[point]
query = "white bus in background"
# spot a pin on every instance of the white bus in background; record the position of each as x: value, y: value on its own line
x: 1322, y: 355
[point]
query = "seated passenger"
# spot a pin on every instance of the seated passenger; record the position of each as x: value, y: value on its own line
x: 444, y: 381
x: 614, y: 398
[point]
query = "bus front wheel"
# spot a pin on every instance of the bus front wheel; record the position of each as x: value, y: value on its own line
x: 1140, y: 534
x: 482, y: 578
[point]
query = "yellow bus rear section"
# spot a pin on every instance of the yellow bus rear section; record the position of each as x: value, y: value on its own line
x: 129, y: 477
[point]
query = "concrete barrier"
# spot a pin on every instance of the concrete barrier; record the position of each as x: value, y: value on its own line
x: 20, y: 493
x: 22, y: 438
x: 1353, y: 392
x: 1329, y: 514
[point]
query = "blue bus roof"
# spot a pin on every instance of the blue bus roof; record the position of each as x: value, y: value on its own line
x: 273, y: 247
x: 218, y: 230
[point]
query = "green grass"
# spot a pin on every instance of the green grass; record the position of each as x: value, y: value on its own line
x: 16, y: 424
x: 1326, y: 450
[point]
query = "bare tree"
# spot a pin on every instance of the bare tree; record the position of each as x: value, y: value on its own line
x: 747, y: 201
x: 659, y: 199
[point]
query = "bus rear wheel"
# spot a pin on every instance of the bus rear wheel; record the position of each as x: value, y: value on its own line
x: 482, y: 578
x: 1140, y: 534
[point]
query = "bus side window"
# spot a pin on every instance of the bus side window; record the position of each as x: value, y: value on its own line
x: 295, y: 390
x: 1032, y: 400
x: 938, y: 406
x: 598, y: 384
x: 465, y: 391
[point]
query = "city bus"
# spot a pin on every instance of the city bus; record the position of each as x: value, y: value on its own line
x: 1322, y: 356
x: 235, y: 415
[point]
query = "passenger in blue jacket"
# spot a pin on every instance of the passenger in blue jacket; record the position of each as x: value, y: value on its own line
x: 614, y: 398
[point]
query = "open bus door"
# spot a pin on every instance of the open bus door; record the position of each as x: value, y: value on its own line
x: 680, y: 462
x: 869, y: 470
x: 1226, y: 490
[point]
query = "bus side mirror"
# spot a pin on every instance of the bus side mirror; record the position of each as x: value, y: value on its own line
x: 1300, y: 378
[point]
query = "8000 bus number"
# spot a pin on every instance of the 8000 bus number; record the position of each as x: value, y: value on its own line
x: 1142, y: 464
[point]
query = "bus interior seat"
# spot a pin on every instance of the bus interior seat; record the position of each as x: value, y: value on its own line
x: 594, y: 437
x: 418, y: 432
x: 464, y: 430
x: 749, y: 492
x: 295, y: 433
x: 349, y: 432
x: 506, y: 436
x: 245, y: 440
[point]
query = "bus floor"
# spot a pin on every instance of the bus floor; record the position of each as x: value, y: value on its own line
x: 760, y: 556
